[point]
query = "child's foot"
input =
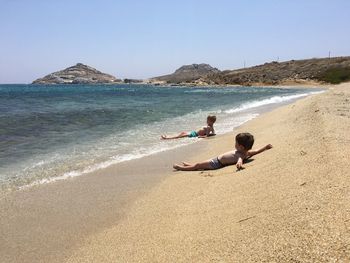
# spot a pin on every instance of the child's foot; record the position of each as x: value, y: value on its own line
x: 163, y: 137
x: 186, y: 164
x: 176, y: 167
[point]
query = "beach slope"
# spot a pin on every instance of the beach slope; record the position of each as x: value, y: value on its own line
x: 290, y: 204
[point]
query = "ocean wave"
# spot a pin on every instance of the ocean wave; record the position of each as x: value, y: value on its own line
x: 137, y: 154
x: 272, y: 100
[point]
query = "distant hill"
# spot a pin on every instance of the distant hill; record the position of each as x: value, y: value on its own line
x: 316, y: 70
x: 187, y: 73
x: 328, y: 70
x: 78, y: 74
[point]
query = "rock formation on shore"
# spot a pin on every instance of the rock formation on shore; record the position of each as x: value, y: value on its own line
x: 187, y: 74
x: 78, y: 74
x: 133, y: 81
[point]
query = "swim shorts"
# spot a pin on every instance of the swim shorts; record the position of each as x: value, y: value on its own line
x: 215, y: 163
x: 193, y: 134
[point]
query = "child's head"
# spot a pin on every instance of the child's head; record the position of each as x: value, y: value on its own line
x: 245, y: 140
x: 211, y: 119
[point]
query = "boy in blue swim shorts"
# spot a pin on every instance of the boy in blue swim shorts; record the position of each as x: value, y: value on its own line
x: 206, y: 131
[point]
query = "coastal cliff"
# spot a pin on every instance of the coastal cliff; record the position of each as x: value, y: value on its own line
x: 78, y: 74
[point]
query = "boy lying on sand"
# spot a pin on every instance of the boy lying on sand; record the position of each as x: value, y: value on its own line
x: 202, y: 133
x: 244, y: 143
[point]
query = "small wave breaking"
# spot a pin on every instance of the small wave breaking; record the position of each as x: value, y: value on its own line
x: 272, y: 100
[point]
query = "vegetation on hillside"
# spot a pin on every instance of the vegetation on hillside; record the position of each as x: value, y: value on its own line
x: 335, y: 75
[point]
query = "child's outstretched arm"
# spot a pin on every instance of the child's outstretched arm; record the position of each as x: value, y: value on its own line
x: 254, y: 152
x: 211, y: 130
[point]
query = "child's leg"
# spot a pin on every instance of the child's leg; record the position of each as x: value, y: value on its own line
x: 194, y: 167
x: 181, y: 135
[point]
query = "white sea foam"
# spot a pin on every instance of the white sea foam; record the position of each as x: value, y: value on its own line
x: 272, y: 100
x: 140, y: 153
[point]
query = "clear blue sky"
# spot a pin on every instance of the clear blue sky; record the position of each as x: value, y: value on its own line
x: 141, y: 39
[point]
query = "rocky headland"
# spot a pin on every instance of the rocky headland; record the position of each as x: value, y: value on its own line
x: 322, y: 70
x: 308, y: 71
x: 78, y: 74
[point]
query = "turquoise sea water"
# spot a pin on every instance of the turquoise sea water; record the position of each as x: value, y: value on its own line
x: 54, y: 132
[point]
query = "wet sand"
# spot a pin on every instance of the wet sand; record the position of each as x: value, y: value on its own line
x: 46, y: 223
x: 290, y: 204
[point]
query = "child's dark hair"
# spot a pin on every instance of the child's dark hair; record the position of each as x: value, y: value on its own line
x: 211, y: 118
x: 245, y: 139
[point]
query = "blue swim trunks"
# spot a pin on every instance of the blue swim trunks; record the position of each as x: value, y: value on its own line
x: 193, y: 134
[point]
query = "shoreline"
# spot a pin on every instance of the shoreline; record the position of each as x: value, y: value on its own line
x: 286, y: 84
x: 82, y: 192
x: 256, y: 109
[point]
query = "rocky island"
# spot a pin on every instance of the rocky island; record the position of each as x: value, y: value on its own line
x: 78, y: 74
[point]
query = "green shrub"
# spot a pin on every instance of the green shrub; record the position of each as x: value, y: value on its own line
x: 335, y: 75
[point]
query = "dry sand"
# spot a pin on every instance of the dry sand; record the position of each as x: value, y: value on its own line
x: 290, y: 204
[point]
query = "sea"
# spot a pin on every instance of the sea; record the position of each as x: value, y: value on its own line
x: 55, y: 132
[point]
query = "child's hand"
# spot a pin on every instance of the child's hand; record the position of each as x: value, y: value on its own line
x: 239, y: 164
x: 269, y: 146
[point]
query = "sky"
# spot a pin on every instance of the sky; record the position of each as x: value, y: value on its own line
x: 143, y: 39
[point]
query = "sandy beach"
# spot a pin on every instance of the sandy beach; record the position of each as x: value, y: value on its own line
x: 289, y: 204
